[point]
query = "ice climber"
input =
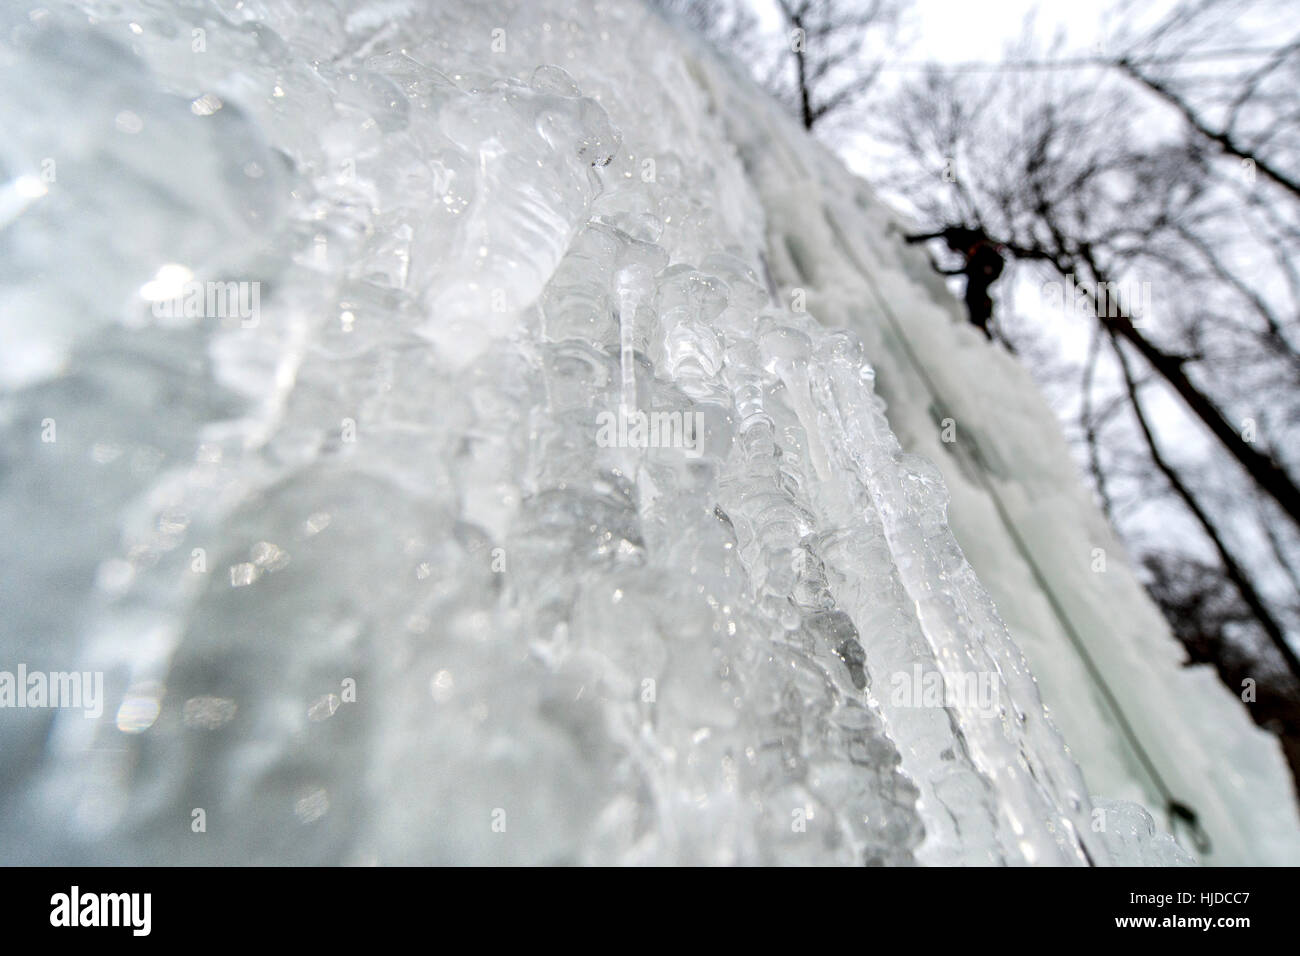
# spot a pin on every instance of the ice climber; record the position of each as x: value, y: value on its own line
x: 983, y: 264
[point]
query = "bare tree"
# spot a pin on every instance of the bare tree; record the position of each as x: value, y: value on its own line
x: 828, y: 70
x: 1231, y: 567
x: 1209, y: 619
x: 822, y: 61
x: 1081, y: 184
x: 1236, y: 111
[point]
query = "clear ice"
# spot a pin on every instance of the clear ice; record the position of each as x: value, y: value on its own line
x: 366, y: 579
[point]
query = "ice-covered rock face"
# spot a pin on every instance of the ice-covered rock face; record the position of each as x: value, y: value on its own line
x: 398, y: 413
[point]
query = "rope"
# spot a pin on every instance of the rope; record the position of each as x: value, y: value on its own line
x: 1074, y: 62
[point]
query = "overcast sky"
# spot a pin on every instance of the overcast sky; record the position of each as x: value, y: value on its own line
x: 957, y: 30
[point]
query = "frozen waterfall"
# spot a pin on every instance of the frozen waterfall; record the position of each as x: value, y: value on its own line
x: 493, y: 433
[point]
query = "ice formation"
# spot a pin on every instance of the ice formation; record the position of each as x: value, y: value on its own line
x: 453, y: 432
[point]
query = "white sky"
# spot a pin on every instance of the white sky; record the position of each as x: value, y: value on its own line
x: 960, y: 30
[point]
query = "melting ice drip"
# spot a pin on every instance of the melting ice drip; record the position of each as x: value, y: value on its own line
x: 365, y: 582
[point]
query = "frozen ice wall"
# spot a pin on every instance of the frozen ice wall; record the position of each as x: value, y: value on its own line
x: 453, y: 432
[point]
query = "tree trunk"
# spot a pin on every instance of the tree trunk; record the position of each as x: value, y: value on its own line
x: 1230, y: 566
x: 1262, y: 468
x: 800, y: 55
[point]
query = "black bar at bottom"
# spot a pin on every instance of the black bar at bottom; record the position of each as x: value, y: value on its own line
x: 331, y: 906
